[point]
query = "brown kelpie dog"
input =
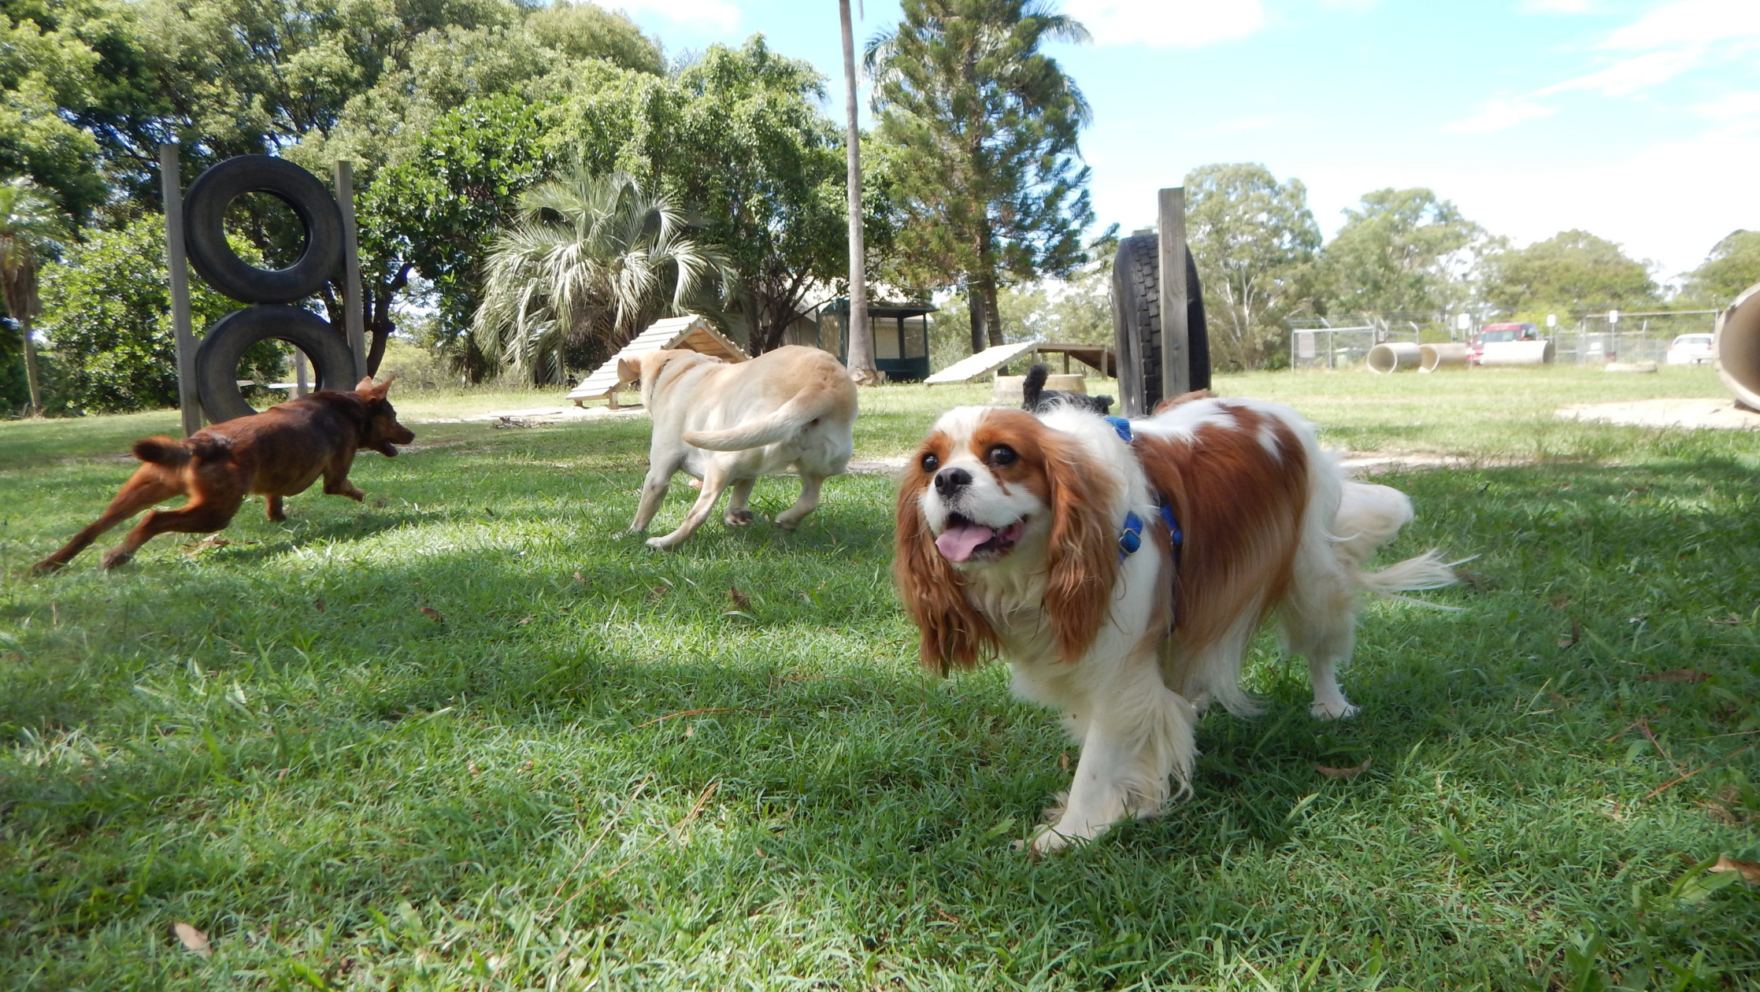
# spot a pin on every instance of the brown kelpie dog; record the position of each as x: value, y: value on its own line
x: 276, y: 453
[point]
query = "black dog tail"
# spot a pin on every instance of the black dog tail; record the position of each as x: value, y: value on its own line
x: 1033, y: 386
x: 173, y: 453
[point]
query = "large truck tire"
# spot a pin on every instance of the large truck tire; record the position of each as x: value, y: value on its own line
x: 1136, y: 323
x: 221, y: 348
x: 204, y: 219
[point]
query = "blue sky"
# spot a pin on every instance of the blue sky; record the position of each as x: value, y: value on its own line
x: 1637, y: 121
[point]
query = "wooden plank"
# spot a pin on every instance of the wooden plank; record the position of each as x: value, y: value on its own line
x: 1176, y: 365
x: 171, y: 188
x: 353, y: 320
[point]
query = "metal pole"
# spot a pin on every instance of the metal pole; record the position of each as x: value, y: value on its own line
x: 1176, y: 366
x: 352, y: 321
x: 171, y: 185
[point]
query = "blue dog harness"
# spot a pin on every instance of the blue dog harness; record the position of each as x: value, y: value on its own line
x: 1131, y: 537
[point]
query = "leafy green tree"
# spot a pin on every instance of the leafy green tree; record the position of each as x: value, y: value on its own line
x: 1571, y: 271
x: 30, y: 229
x: 981, y: 134
x: 591, y: 256
x: 1253, y: 239
x: 435, y: 215
x: 1733, y: 266
x: 50, y: 73
x: 1401, y: 250
x: 739, y: 139
x: 107, y: 315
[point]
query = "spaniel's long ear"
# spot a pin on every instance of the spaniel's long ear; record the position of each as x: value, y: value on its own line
x: 953, y: 634
x: 1082, y: 557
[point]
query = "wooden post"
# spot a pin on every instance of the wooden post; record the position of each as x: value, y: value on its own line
x: 300, y: 376
x: 171, y: 188
x: 353, y: 322
x: 1176, y: 364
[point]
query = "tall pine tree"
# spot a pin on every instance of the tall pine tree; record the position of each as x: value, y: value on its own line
x: 979, y: 130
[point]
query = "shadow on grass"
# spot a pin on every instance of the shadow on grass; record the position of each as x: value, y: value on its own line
x: 456, y: 696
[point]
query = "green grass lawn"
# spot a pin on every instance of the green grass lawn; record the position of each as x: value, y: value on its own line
x: 468, y: 735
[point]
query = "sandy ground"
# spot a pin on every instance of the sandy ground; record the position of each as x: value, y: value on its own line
x: 1716, y: 414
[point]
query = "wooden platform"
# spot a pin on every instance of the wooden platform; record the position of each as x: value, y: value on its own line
x: 689, y: 332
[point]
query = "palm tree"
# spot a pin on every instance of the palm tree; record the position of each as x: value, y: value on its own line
x: 861, y: 339
x: 29, y: 227
x: 590, y: 256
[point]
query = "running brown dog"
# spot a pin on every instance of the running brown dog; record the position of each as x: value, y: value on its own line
x: 277, y: 453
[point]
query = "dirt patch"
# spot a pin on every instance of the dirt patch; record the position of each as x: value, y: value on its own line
x: 536, y: 416
x: 1711, y: 414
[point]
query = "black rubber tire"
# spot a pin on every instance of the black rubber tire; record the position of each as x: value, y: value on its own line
x: 221, y: 348
x: 1136, y: 323
x: 204, y: 219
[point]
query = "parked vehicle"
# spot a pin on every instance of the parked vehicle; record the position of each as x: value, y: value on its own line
x: 1495, y: 333
x: 1692, y: 349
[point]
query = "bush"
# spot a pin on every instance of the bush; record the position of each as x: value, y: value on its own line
x: 107, y: 319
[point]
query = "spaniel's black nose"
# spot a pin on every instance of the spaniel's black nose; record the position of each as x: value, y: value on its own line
x: 950, y: 481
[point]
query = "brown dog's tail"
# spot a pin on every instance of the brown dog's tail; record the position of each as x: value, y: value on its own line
x: 172, y: 453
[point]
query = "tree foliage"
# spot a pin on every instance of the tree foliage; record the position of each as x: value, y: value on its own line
x: 1400, y: 250
x: 1570, y: 272
x: 980, y: 133
x: 107, y: 316
x: 1733, y: 266
x: 591, y: 256
x: 1254, y: 240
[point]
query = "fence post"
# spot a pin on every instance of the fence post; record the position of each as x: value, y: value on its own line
x: 1176, y: 366
x: 171, y: 188
x: 352, y: 321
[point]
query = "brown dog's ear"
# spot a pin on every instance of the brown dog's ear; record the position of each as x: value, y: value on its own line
x: 366, y: 388
x: 1082, y: 556
x: 952, y: 633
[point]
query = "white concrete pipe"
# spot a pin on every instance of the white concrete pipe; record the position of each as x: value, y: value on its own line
x: 1737, y: 348
x: 1394, y: 356
x: 1517, y: 353
x: 1442, y: 356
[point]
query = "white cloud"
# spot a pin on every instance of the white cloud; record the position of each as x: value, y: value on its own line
x: 719, y: 13
x: 1503, y: 112
x: 1633, y: 74
x: 1167, y: 23
x: 1558, y: 6
x: 1738, y: 106
x: 1690, y: 24
x: 1351, y: 6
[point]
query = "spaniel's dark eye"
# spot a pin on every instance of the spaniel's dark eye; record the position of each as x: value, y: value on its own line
x: 930, y: 463
x: 1002, y: 454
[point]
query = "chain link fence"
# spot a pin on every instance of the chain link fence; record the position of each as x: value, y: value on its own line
x: 1582, y: 339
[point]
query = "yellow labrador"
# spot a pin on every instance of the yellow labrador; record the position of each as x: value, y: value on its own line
x: 727, y: 424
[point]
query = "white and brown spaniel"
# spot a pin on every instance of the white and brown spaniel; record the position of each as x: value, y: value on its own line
x: 1123, y: 567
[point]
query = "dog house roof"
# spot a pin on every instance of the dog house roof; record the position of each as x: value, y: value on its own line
x: 689, y: 332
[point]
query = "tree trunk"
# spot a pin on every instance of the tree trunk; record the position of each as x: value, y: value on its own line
x: 975, y: 309
x: 30, y: 367
x: 860, y: 359
x: 992, y: 313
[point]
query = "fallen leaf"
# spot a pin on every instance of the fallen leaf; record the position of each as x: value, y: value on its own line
x: 760, y: 851
x: 1750, y: 869
x: 197, y: 941
x: 432, y: 614
x: 659, y: 591
x: 578, y: 577
x: 474, y: 770
x: 1561, y: 602
x: 1345, y: 773
x: 1576, y: 635
x: 740, y: 599
x: 1676, y: 675
x: 318, y: 604
x: 1063, y: 762
x: 691, y: 731
x: 525, y: 621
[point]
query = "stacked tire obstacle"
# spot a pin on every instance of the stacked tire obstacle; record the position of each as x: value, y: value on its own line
x: 1137, y: 325
x: 269, y: 293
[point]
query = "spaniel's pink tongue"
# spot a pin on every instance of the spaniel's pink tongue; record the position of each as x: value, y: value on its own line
x: 957, y: 542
